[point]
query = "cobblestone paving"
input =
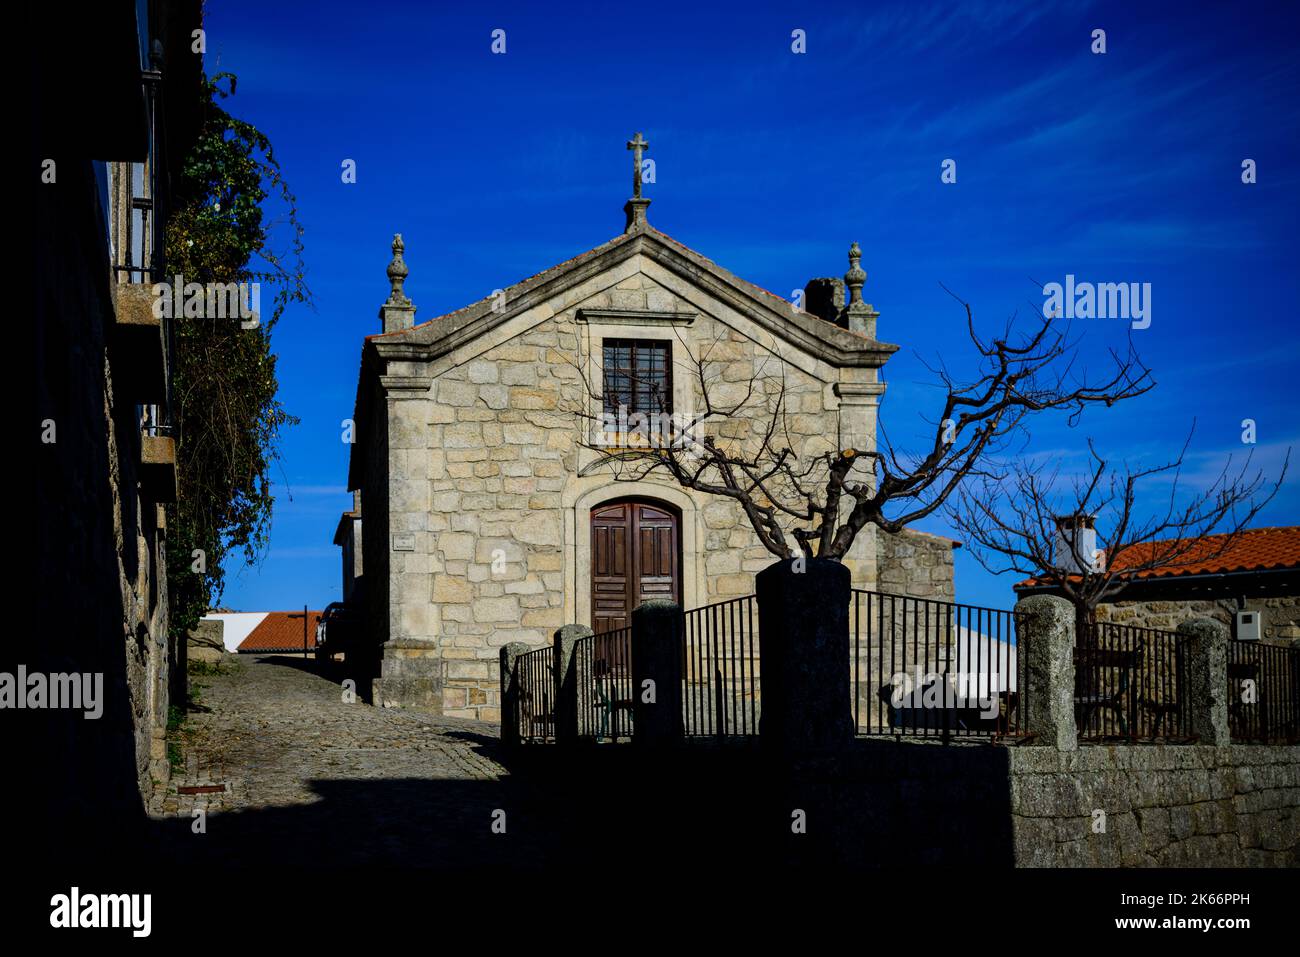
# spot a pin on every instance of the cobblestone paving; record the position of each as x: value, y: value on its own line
x: 323, y: 781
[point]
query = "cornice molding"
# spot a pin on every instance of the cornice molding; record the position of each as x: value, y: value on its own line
x: 635, y: 317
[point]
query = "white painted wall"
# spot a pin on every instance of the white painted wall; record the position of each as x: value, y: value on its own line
x: 236, y: 625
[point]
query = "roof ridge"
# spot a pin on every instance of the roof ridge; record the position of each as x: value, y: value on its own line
x: 1265, y: 548
x: 556, y: 269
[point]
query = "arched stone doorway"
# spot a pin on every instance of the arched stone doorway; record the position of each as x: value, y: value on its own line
x: 636, y: 546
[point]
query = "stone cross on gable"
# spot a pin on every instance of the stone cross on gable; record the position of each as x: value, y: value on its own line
x: 637, y: 145
x: 636, y: 206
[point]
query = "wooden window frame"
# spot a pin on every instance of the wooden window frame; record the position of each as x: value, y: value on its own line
x: 632, y: 373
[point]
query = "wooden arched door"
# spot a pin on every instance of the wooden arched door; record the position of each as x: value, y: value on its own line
x: 635, y: 548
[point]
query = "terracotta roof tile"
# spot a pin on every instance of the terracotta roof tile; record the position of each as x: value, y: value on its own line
x: 1254, y: 549
x: 281, y: 631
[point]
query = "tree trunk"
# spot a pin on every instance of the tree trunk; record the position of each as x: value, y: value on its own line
x: 1085, y: 625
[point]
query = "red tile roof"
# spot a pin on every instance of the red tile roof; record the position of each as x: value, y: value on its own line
x: 281, y: 631
x: 1255, y: 549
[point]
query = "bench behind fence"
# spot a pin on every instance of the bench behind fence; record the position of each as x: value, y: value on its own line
x: 935, y: 668
x: 1130, y: 683
x: 1263, y: 693
x: 919, y: 667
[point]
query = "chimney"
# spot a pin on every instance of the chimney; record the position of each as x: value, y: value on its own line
x: 356, y: 500
x: 398, y: 312
x: 1076, y: 544
x: 824, y: 298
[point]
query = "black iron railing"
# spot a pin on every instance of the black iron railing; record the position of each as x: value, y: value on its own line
x: 720, y: 694
x: 935, y: 668
x: 922, y: 667
x: 604, y: 666
x: 1263, y: 693
x: 536, y: 695
x: 1130, y: 684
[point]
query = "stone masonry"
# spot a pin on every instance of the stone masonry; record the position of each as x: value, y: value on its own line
x: 476, y: 485
x: 98, y: 569
x: 1212, y: 803
x: 917, y: 564
x: 1281, y: 614
x: 1184, y: 806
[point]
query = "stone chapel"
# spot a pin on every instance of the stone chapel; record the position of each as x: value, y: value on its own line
x: 489, y: 516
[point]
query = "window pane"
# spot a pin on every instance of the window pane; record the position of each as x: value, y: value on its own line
x: 636, y: 375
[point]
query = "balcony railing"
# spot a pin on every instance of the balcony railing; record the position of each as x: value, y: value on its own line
x: 142, y: 344
x: 136, y: 227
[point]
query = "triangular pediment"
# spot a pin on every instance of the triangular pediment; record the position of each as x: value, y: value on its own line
x: 778, y: 317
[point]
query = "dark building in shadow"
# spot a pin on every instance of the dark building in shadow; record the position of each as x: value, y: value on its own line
x: 116, y: 106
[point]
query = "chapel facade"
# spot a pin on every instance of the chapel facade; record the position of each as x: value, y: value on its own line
x: 492, y: 514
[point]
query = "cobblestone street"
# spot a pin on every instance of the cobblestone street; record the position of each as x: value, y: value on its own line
x: 309, y: 779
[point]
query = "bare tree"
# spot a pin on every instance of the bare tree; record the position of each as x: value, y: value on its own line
x: 827, y: 497
x: 1089, y: 536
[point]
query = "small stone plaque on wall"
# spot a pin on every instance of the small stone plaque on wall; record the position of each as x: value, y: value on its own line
x: 403, y: 543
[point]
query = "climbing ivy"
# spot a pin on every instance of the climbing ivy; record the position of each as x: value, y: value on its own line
x: 225, y: 410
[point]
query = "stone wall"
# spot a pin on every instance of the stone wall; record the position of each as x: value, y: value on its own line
x: 95, y: 575
x: 884, y: 804
x: 874, y: 805
x: 499, y: 453
x: 206, y: 642
x: 1045, y: 802
x: 917, y: 564
x: 1281, y: 614
x: 1173, y: 806
x: 376, y: 543
x: 495, y: 502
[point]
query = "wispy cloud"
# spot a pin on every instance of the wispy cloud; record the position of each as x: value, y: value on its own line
x: 909, y: 28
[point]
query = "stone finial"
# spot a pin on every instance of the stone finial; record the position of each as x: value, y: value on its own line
x: 636, y: 206
x: 397, y: 273
x: 856, y: 277
x: 397, y: 312
x: 858, y: 316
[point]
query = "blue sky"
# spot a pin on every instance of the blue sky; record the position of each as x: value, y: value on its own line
x: 1122, y: 167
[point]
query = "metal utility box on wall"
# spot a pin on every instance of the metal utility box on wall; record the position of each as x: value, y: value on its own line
x: 1249, y: 625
